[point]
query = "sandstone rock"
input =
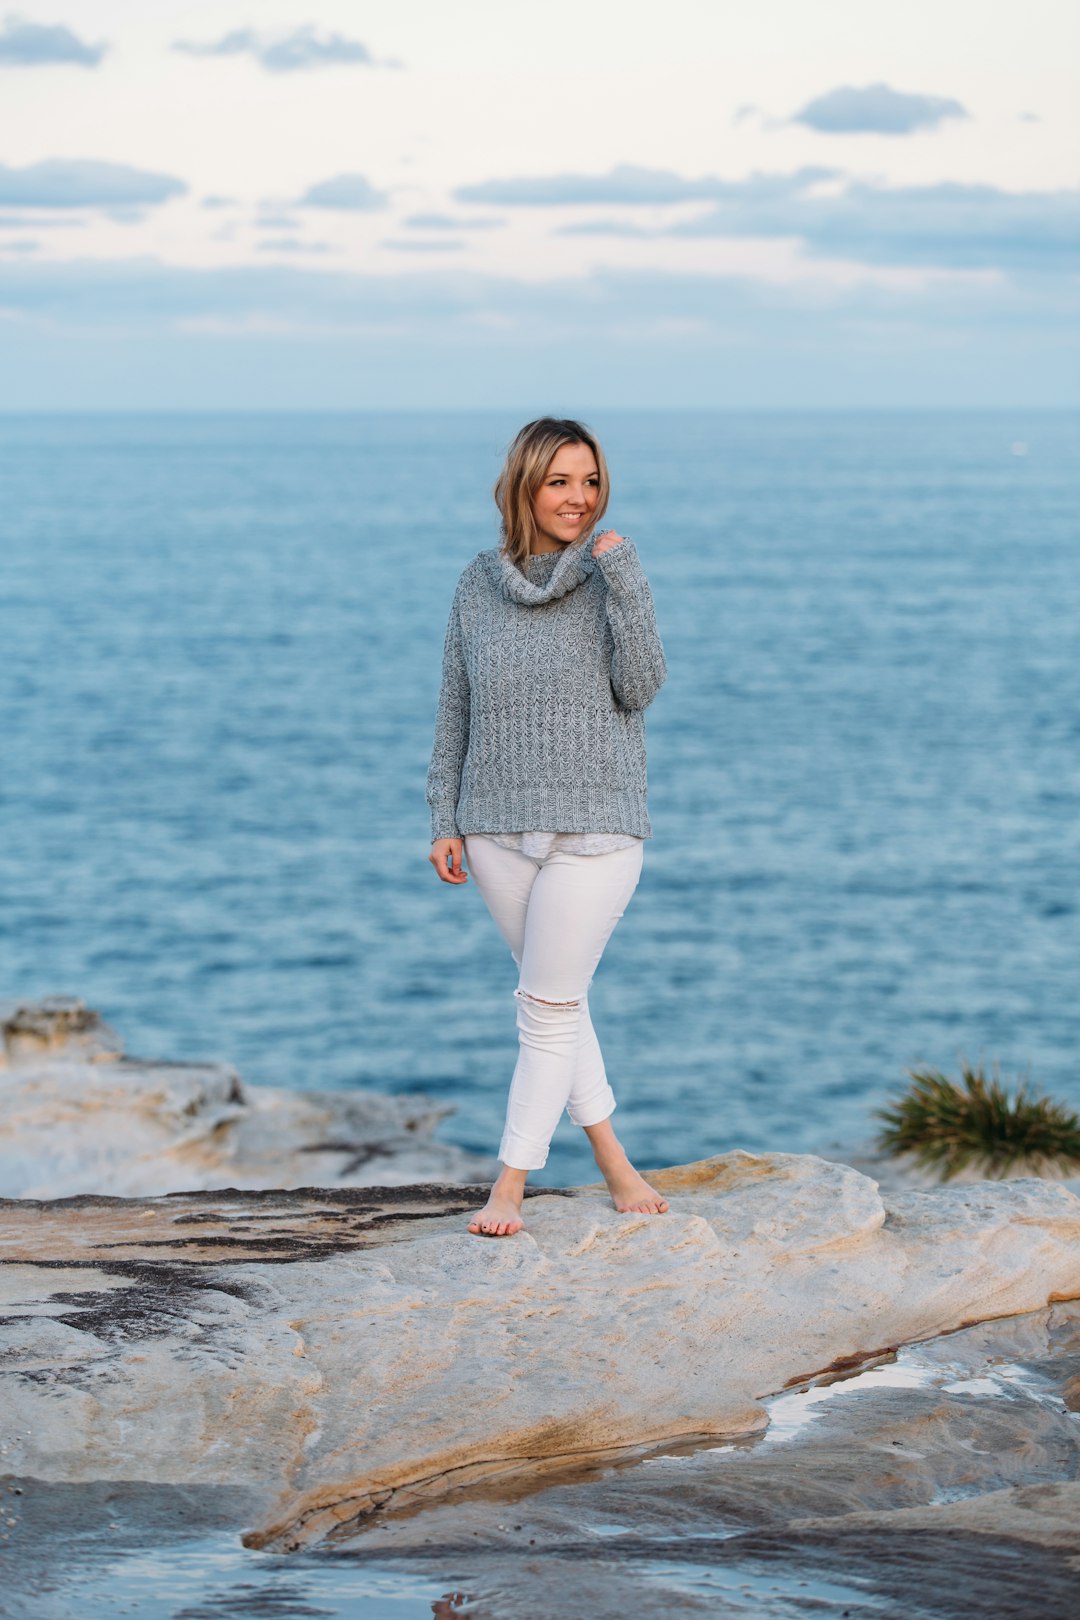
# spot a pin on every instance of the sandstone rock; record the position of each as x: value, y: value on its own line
x: 55, y: 1023
x: 940, y: 1483
x: 78, y: 1117
x: 794, y: 1521
x: 896, y: 1171
x: 341, y: 1353
x: 1046, y: 1515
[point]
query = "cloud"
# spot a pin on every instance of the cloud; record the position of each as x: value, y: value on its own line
x: 950, y: 226
x: 876, y: 109
x: 137, y: 333
x: 30, y: 44
x: 419, y: 244
x: 141, y: 289
x: 297, y: 52
x: 19, y: 222
x: 293, y: 244
x: 351, y: 192
x: 608, y: 227
x: 84, y: 183
x: 447, y: 222
x: 628, y: 184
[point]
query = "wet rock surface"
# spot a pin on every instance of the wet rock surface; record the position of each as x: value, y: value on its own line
x: 943, y: 1482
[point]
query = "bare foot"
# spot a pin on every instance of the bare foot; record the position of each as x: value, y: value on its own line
x: 500, y: 1217
x: 631, y: 1193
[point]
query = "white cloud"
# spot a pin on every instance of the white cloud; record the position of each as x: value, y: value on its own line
x: 296, y: 52
x: 84, y: 183
x: 451, y: 222
x: 948, y: 225
x: 30, y: 44
x: 629, y: 184
x: 945, y: 226
x: 876, y: 109
x: 352, y: 193
x: 452, y: 337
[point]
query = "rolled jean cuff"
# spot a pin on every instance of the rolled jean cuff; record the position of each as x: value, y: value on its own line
x: 595, y: 1110
x: 518, y: 1154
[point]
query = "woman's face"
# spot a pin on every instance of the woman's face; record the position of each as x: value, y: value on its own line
x: 567, y: 497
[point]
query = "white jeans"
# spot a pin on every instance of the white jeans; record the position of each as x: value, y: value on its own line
x: 556, y: 915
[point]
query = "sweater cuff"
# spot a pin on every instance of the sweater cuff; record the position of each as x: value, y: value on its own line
x: 621, y: 566
x: 443, y: 822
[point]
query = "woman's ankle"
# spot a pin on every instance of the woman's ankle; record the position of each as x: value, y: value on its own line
x: 510, y: 1183
x: 608, y: 1151
x: 615, y: 1169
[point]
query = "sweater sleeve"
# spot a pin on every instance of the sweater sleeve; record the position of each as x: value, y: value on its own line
x: 451, y: 731
x: 638, y: 667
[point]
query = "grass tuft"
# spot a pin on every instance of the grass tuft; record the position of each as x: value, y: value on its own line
x: 947, y: 1126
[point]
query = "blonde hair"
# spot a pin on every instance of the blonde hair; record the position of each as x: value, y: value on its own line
x: 527, y: 461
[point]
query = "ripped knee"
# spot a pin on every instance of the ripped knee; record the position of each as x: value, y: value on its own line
x: 526, y: 995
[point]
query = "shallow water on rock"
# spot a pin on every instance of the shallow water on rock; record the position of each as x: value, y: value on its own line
x: 756, y: 1528
x: 215, y: 1577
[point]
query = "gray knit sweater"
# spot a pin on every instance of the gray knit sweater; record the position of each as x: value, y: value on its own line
x: 545, y: 678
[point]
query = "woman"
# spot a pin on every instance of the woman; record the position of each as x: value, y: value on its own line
x: 538, y: 768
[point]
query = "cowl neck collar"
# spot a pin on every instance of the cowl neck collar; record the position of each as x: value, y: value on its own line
x: 572, y: 565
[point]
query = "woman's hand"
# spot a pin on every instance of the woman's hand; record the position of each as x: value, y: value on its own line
x: 446, y: 858
x: 605, y: 541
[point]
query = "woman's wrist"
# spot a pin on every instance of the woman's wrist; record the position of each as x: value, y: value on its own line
x: 620, y: 564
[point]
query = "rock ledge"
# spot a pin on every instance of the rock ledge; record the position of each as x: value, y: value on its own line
x: 340, y: 1354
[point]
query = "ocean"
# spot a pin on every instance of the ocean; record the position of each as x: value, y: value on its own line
x: 221, y: 638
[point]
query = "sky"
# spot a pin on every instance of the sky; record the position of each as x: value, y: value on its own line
x: 281, y: 205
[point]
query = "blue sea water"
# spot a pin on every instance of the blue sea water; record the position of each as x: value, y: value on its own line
x: 220, y: 651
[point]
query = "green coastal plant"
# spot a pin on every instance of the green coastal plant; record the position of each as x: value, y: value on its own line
x: 947, y: 1126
